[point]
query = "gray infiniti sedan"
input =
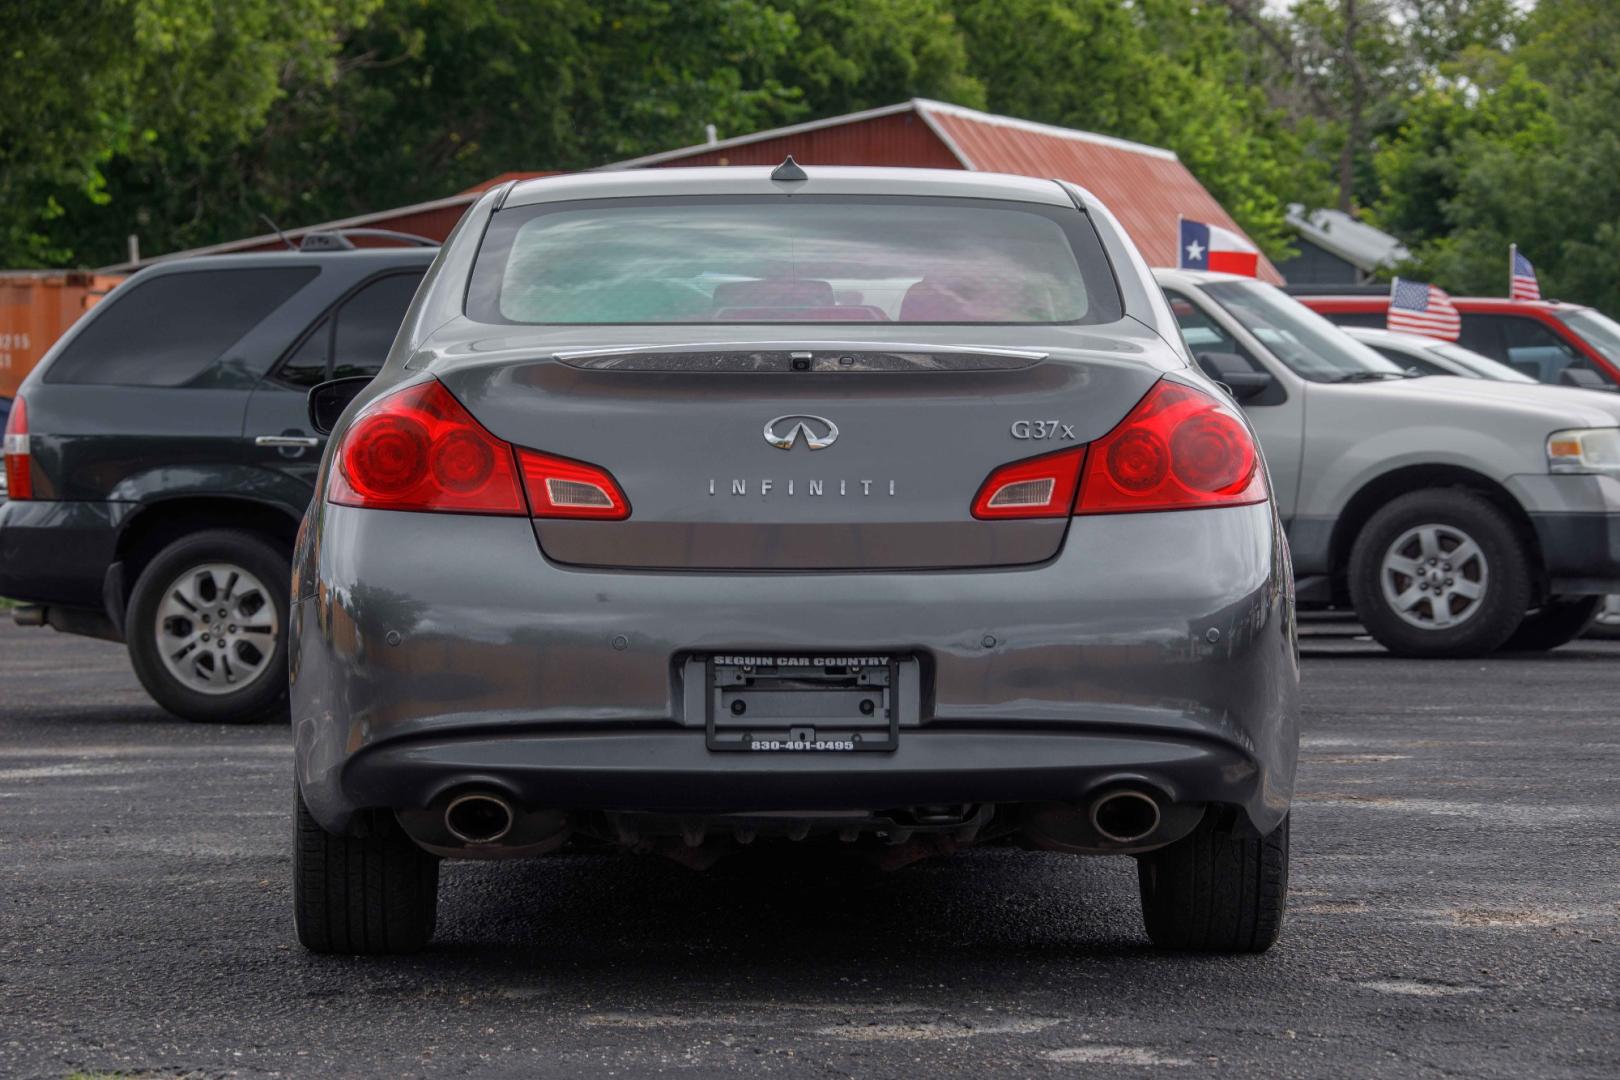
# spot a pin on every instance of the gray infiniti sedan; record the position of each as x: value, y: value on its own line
x: 882, y: 510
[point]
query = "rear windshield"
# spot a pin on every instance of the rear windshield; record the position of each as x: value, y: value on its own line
x: 764, y: 259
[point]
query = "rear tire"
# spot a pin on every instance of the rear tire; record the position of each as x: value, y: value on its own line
x: 1466, y: 583
x: 1216, y: 889
x: 376, y: 894
x: 1561, y: 620
x: 238, y: 678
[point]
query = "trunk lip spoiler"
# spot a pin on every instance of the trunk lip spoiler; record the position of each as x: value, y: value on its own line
x: 799, y: 345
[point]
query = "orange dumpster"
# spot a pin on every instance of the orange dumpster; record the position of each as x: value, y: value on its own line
x: 36, y: 308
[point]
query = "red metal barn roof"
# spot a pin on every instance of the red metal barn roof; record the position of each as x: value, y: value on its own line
x: 1145, y: 186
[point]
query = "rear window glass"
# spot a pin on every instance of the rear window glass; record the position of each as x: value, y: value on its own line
x: 767, y: 259
x: 171, y: 330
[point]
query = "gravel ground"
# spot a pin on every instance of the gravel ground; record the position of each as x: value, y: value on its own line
x: 1455, y: 911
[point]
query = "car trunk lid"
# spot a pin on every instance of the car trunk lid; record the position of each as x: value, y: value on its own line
x: 773, y: 457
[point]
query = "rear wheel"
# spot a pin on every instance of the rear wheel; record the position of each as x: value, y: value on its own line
x: 373, y: 894
x: 1559, y: 621
x: 1216, y: 889
x: 207, y: 627
x: 1440, y: 573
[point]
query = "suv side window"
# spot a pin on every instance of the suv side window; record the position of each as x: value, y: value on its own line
x: 1202, y: 333
x: 353, y: 339
x: 1522, y: 343
x: 174, y: 329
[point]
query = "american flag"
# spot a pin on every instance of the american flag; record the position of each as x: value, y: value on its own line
x: 1419, y: 308
x: 1522, y: 284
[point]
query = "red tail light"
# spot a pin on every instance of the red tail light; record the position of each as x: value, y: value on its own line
x: 1035, y: 487
x: 420, y: 449
x: 19, y: 479
x: 1179, y: 449
x: 558, y: 487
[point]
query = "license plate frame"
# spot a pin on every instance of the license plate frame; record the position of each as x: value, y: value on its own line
x: 804, y: 703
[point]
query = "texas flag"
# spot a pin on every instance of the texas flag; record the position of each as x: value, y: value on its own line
x: 1210, y: 247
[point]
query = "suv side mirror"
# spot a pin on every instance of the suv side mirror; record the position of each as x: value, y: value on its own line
x: 328, y: 400
x: 1235, y: 373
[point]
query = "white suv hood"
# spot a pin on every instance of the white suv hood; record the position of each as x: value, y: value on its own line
x: 1562, y: 406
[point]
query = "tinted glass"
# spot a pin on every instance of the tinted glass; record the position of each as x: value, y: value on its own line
x: 1202, y: 333
x: 171, y: 330
x: 1524, y: 344
x: 307, y: 365
x: 1483, y: 366
x: 808, y: 259
x: 1308, y: 344
x: 1597, y: 330
x: 367, y: 323
x: 1374, y: 320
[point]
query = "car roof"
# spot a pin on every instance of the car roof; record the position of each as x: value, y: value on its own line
x: 1380, y: 301
x: 362, y: 257
x: 1393, y: 337
x: 749, y: 180
x: 1197, y: 277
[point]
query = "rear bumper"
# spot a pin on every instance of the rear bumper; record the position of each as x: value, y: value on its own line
x: 57, y: 553
x: 673, y: 772
x: 431, y: 651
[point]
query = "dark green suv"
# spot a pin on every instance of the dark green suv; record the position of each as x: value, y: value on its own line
x: 160, y: 459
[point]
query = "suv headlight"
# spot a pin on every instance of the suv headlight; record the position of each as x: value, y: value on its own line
x: 1584, y: 450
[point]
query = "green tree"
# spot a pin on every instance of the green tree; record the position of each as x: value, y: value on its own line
x: 87, y: 83
x: 1174, y: 73
x: 1518, y: 148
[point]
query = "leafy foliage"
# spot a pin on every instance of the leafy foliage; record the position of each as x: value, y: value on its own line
x: 1460, y: 125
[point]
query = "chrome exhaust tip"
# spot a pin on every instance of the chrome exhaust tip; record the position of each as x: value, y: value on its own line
x: 478, y: 818
x: 1125, y: 815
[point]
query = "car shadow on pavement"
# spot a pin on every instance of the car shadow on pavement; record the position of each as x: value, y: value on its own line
x: 800, y: 907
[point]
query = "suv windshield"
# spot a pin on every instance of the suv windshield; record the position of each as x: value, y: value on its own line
x: 1596, y: 329
x: 756, y: 259
x: 1312, y: 347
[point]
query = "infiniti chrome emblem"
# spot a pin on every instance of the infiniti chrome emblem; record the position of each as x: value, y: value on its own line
x: 784, y: 431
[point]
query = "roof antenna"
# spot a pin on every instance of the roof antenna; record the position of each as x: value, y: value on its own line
x: 279, y: 234
x: 788, y: 172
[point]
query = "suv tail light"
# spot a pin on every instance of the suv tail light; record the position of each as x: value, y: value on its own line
x: 419, y: 449
x: 1179, y: 449
x: 19, y: 480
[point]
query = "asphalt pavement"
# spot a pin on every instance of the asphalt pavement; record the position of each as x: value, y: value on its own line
x: 1455, y: 912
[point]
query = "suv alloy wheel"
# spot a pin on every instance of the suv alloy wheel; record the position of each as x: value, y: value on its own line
x: 1440, y: 573
x: 207, y: 627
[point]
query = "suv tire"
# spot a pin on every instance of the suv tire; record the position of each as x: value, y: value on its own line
x: 374, y: 894
x: 1560, y: 620
x: 1457, y: 606
x: 175, y: 644
x: 1216, y: 889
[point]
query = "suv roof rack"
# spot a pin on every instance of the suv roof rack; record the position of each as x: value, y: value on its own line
x: 339, y: 239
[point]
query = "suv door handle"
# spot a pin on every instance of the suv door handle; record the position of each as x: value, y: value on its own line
x: 286, y: 440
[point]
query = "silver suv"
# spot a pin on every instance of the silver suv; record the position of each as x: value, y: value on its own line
x: 1458, y: 516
